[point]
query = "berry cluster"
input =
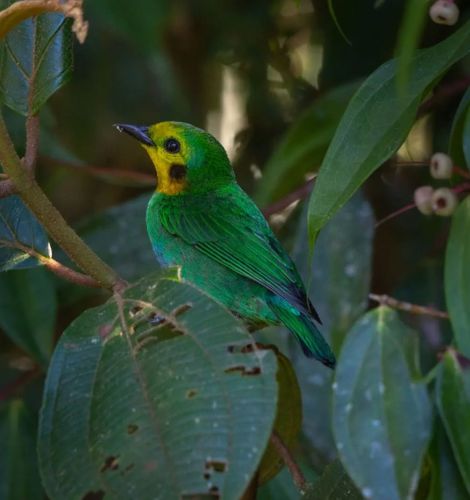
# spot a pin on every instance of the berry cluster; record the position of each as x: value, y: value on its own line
x: 441, y: 201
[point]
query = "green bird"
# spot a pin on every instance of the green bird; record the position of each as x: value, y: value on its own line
x: 200, y: 219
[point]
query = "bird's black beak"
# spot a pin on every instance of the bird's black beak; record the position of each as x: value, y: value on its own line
x: 138, y: 132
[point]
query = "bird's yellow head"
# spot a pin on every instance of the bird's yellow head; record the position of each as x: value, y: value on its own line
x: 187, y: 159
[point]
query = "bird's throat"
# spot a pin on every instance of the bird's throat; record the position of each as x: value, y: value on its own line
x: 167, y: 181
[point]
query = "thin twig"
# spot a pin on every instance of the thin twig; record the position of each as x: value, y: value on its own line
x: 53, y: 265
x: 294, y: 469
x: 9, y: 390
x: 117, y: 175
x: 298, y: 194
x: 396, y: 213
x: 443, y: 93
x: 407, y: 306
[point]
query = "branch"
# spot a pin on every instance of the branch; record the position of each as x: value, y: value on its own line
x: 117, y: 175
x: 298, y: 194
x: 51, y: 218
x: 294, y: 469
x: 443, y: 93
x: 7, y: 391
x: 6, y: 188
x: 32, y: 142
x: 407, y: 306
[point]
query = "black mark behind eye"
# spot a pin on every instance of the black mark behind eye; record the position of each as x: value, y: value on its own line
x: 172, y: 145
x: 177, y: 172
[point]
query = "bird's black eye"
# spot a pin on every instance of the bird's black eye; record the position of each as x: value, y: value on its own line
x: 172, y: 145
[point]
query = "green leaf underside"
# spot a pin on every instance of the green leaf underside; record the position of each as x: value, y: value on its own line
x: 171, y: 412
x: 376, y: 123
x: 19, y: 475
x: 453, y: 402
x: 339, y: 286
x: 304, y: 146
x: 381, y: 418
x: 17, y: 224
x: 459, y: 141
x: 446, y: 481
x: 35, y: 61
x: 28, y: 307
x: 457, y: 276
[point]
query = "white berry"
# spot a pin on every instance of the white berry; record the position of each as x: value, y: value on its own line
x: 423, y: 199
x: 444, y: 12
x: 441, y: 166
x: 444, y: 201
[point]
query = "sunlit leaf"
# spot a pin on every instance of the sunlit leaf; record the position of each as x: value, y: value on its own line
x: 35, y: 61
x: 457, y: 276
x: 381, y: 418
x: 28, y: 307
x: 453, y: 402
x: 376, y: 123
x: 19, y: 475
x: 288, y: 418
x: 19, y: 230
x: 304, y: 146
x: 459, y: 142
x: 169, y: 399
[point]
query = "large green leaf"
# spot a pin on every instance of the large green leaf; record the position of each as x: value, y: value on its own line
x: 376, y: 123
x: 453, y: 402
x: 446, y: 481
x: 18, y: 225
x: 304, y: 146
x: 339, y: 278
x: 19, y: 475
x: 457, y: 276
x: 459, y: 142
x: 177, y: 409
x: 28, y: 307
x: 35, y: 61
x: 381, y: 417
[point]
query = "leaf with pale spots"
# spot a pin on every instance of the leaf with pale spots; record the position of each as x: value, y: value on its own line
x: 381, y: 418
x: 169, y: 399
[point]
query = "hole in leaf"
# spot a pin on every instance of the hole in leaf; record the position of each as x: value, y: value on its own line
x: 182, y: 309
x: 156, y: 320
x: 191, y: 393
x: 111, y: 463
x: 216, y: 465
x: 134, y: 310
x: 131, y: 428
x: 94, y: 495
x: 253, y: 370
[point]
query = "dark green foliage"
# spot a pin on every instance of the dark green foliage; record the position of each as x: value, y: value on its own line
x: 35, y: 61
x: 138, y: 408
x: 19, y: 231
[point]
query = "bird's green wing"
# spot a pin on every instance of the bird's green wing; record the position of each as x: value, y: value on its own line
x: 231, y: 230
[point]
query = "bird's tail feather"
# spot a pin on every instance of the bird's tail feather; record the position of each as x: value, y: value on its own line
x: 311, y: 340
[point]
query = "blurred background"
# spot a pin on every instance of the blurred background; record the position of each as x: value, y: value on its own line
x: 270, y: 79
